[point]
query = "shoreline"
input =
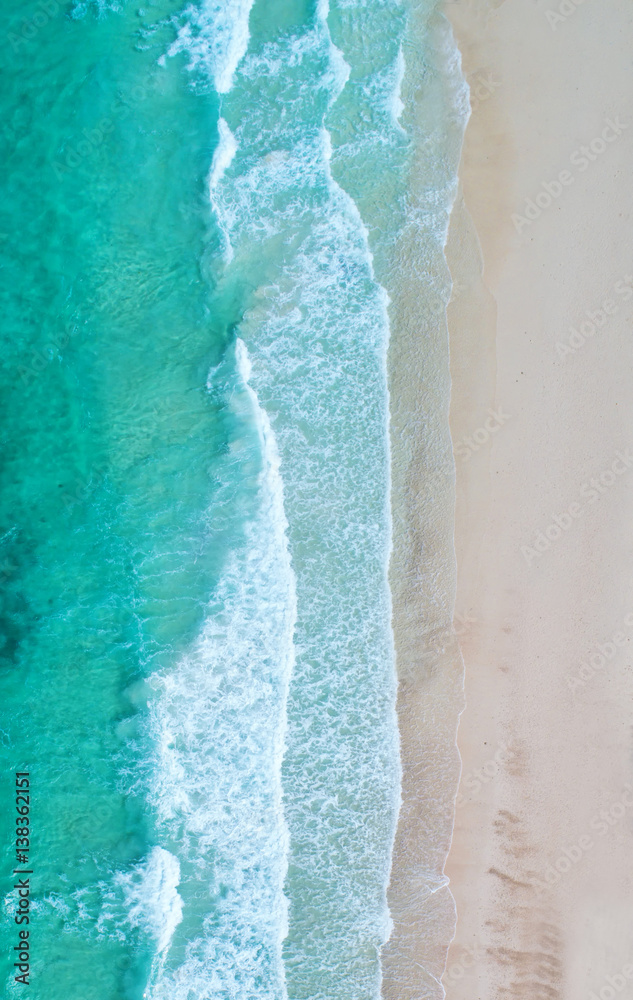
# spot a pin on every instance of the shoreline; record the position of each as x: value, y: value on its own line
x: 540, y: 348
x: 422, y: 570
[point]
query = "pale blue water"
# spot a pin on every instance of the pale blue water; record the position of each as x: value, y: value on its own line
x: 197, y: 667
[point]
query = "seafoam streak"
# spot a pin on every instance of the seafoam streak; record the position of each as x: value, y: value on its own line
x: 219, y: 723
x: 317, y: 326
x: 315, y: 321
x: 215, y: 37
x: 222, y: 159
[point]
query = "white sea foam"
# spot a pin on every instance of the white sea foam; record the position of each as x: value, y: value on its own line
x: 397, y: 104
x: 152, y: 901
x: 339, y: 69
x: 215, y: 37
x: 81, y: 7
x: 219, y: 722
x: 317, y: 331
x: 144, y: 897
x: 222, y: 159
x: 319, y: 334
x: 223, y: 156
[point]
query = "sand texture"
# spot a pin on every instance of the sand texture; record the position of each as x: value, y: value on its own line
x: 541, y: 345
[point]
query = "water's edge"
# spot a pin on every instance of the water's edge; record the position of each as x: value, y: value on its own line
x: 423, y: 568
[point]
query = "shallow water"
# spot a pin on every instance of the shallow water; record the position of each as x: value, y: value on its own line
x: 197, y: 666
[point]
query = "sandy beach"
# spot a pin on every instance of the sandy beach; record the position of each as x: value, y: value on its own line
x: 542, y: 425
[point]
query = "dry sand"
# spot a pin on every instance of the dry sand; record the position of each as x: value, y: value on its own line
x: 541, y: 864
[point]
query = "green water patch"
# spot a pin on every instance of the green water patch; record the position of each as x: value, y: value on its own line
x: 112, y: 453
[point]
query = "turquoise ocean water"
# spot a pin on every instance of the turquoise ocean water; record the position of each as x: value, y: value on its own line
x: 196, y: 661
